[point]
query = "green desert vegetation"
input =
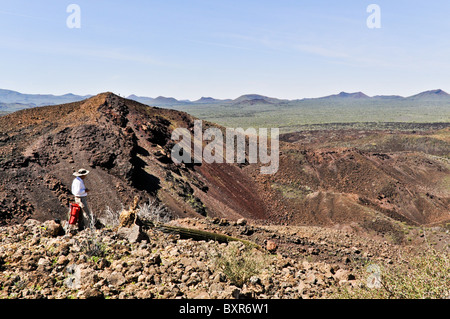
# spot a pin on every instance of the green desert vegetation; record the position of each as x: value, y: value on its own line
x: 421, y: 276
x: 299, y: 115
x: 239, y: 262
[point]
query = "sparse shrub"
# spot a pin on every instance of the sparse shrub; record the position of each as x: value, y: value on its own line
x: 90, y: 244
x: 154, y: 212
x: 420, y: 277
x: 239, y: 263
x: 110, y: 218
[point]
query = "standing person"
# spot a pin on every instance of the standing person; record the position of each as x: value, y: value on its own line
x: 80, y: 192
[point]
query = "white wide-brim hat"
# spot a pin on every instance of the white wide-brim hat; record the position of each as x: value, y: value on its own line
x: 81, y: 172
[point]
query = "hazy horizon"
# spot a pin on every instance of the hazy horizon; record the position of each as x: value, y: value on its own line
x: 227, y: 98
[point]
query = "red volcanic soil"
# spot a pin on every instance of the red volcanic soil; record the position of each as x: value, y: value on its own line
x: 346, y: 176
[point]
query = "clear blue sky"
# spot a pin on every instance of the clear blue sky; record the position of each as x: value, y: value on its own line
x: 188, y: 49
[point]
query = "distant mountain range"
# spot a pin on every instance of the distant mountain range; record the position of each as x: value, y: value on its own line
x: 13, y: 97
x: 433, y: 94
x: 12, y: 101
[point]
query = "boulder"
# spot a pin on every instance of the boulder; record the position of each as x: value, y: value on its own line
x: 271, y: 246
x: 343, y: 274
x: 116, y: 279
x: 241, y: 222
x: 133, y: 234
x: 127, y: 218
x: 52, y: 228
x: 93, y: 293
x: 311, y: 278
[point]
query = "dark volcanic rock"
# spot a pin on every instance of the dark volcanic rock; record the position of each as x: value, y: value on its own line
x: 125, y: 145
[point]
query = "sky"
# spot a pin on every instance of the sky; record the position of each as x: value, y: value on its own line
x: 188, y: 49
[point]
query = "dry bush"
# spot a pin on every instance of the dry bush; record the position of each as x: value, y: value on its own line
x: 239, y: 262
x: 110, y: 218
x: 154, y: 212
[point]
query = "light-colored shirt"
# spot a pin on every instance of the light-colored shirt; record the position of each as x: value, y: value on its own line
x: 78, y: 188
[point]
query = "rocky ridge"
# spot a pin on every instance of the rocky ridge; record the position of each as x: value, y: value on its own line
x: 40, y: 260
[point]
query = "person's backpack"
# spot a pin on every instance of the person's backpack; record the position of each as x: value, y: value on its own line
x: 75, y: 210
